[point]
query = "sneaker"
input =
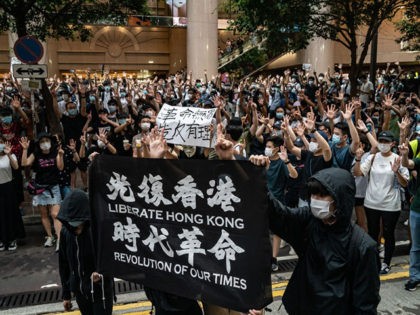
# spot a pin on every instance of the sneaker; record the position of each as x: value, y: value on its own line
x: 411, y: 285
x: 283, y: 244
x: 292, y: 251
x: 49, y: 241
x: 2, y: 248
x: 385, y: 269
x: 274, y: 265
x: 12, y: 246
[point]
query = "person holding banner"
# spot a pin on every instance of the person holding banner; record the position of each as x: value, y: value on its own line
x: 338, y: 267
x: 93, y: 291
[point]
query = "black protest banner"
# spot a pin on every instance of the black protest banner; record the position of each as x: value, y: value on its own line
x: 198, y: 229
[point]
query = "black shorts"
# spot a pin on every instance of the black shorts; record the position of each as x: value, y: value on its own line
x: 359, y: 202
x: 83, y: 164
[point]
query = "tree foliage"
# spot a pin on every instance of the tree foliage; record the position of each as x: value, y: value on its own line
x: 409, y: 27
x: 289, y: 25
x: 64, y: 18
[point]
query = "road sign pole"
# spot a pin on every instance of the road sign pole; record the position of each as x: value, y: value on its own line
x: 33, y: 113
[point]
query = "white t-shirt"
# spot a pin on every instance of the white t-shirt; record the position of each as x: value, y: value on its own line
x: 383, y: 191
x: 6, y: 168
x: 367, y: 88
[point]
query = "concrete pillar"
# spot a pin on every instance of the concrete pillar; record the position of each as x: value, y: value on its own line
x: 177, y: 49
x: 320, y: 54
x: 51, y: 58
x: 202, y: 38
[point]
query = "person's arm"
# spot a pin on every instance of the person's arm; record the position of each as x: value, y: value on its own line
x: 371, y: 137
x: 365, y: 273
x: 122, y: 127
x: 405, y: 161
x: 290, y: 146
x: 322, y: 143
x: 400, y: 172
x: 387, y: 104
x: 55, y: 106
x: 60, y: 159
x: 65, y: 273
x: 355, y: 140
x: 82, y: 98
x: 254, y: 125
x: 290, y: 168
x: 72, y: 147
x: 8, y: 151
x: 26, y: 161
x: 18, y: 108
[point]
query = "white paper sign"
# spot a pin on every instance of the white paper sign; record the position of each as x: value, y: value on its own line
x: 186, y: 125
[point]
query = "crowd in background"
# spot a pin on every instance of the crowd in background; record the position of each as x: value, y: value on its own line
x: 303, y: 121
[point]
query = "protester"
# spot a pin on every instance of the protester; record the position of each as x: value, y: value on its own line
x: 93, y: 291
x: 47, y: 162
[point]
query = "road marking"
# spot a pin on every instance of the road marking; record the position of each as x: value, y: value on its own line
x: 52, y: 285
x: 276, y: 293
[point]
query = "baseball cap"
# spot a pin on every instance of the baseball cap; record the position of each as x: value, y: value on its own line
x: 386, y: 135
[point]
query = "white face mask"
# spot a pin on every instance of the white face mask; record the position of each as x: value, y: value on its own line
x: 384, y: 147
x: 313, y: 146
x: 268, y: 152
x: 145, y: 126
x: 320, y: 208
x: 45, y: 146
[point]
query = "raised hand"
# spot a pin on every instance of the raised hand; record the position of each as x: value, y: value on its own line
x: 157, y: 143
x: 395, y: 166
x: 349, y: 111
x: 359, y: 152
x: 310, y: 121
x: 259, y: 160
x: 24, y: 142
x: 331, y: 112
x: 7, y: 148
x: 387, y: 103
x: 16, y: 102
x: 224, y: 148
x: 283, y: 154
x: 300, y: 130
x: 60, y: 151
x: 83, y: 138
x: 103, y: 135
x: 404, y: 147
x: 72, y: 145
x: 405, y: 122
x: 361, y: 126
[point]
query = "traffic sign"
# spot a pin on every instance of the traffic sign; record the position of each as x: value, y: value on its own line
x: 28, y: 49
x: 30, y: 71
x: 31, y: 84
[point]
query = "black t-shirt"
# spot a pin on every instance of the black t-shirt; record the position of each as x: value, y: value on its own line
x: 73, y: 127
x: 45, y: 166
x: 313, y: 164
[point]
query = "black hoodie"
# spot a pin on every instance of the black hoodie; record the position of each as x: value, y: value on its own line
x: 76, y: 254
x: 338, y: 267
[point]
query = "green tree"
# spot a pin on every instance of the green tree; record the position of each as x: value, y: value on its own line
x: 290, y: 24
x: 409, y: 27
x: 63, y: 19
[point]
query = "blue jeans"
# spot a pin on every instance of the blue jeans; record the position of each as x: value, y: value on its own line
x: 415, y: 246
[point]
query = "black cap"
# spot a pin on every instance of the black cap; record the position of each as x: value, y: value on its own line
x: 386, y: 135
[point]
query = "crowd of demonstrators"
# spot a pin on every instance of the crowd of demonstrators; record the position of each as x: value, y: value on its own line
x: 230, y: 46
x: 302, y: 122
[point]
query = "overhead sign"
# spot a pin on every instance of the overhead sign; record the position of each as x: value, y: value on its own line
x: 31, y: 84
x: 28, y: 49
x: 30, y: 71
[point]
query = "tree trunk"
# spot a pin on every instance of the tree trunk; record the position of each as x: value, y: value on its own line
x: 353, y: 71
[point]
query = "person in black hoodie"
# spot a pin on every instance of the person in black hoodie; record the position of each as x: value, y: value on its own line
x: 93, y: 292
x: 338, y: 267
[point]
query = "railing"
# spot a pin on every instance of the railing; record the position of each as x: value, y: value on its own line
x: 247, y: 46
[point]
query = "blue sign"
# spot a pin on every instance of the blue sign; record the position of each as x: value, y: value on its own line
x: 28, y: 49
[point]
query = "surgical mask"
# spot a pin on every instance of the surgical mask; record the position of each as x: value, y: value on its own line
x: 9, y: 89
x: 112, y: 109
x: 336, y: 139
x: 122, y: 121
x: 107, y: 88
x: 418, y: 128
x: 7, y: 120
x: 123, y: 94
x: 202, y: 90
x: 313, y: 146
x: 320, y: 79
x: 92, y: 98
x: 101, y: 144
x: 320, y: 208
x: 384, y: 147
x: 2, y: 146
x: 145, y: 126
x: 311, y: 82
x: 268, y: 152
x: 417, y: 117
x: 293, y: 80
x: 45, y: 146
x: 279, y: 115
x: 72, y: 112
